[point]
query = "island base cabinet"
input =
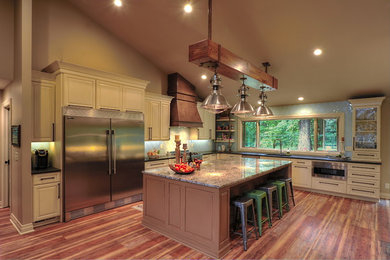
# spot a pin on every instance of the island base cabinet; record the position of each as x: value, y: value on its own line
x: 195, y: 215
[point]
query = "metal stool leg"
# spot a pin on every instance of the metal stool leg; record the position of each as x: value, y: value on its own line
x: 243, y: 224
x: 255, y: 222
x: 292, y: 193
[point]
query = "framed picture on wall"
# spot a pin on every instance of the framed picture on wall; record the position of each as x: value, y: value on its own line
x: 15, y: 135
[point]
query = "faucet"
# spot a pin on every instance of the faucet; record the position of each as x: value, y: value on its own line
x: 280, y: 145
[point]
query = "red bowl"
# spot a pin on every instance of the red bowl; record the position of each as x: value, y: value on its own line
x: 179, y: 172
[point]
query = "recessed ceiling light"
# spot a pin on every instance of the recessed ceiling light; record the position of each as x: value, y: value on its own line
x: 118, y: 2
x: 301, y: 98
x: 317, y: 52
x: 204, y: 76
x: 188, y: 8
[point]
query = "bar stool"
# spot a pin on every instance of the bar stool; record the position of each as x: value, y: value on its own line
x: 242, y: 204
x: 282, y: 192
x: 290, y: 189
x: 258, y: 196
x: 270, y: 189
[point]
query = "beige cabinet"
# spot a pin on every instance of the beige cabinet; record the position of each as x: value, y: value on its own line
x: 43, y: 100
x: 108, y: 95
x: 366, y: 128
x: 133, y: 99
x: 79, y: 91
x: 301, y: 175
x: 86, y: 87
x: 46, y: 196
x: 157, y: 117
x: 364, y: 180
x: 207, y: 132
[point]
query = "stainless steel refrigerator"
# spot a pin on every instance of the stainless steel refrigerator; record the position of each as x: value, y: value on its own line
x: 103, y: 155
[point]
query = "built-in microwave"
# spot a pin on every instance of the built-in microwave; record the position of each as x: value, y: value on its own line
x: 333, y: 170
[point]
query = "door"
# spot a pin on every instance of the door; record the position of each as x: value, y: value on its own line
x: 86, y: 171
x: 165, y: 121
x: 46, y: 201
x: 108, y: 95
x: 155, y: 112
x: 127, y: 157
x: 44, y: 107
x: 5, y: 180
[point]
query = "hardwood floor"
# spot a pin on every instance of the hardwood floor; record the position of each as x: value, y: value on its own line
x: 318, y: 227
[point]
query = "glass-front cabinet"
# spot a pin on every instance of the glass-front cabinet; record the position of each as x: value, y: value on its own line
x: 366, y: 117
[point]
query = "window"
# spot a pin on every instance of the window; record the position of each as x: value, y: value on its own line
x: 306, y: 134
x: 249, y: 130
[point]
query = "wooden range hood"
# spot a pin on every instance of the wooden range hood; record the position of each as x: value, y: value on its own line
x: 207, y: 53
x: 184, y: 111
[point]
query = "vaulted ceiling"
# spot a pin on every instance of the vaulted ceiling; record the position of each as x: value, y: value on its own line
x: 353, y: 34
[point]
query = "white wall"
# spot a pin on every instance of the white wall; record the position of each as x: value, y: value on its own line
x: 6, y: 42
x: 62, y: 32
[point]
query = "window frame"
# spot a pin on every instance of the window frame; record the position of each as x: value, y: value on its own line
x: 340, y: 133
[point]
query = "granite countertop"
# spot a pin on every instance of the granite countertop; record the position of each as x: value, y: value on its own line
x: 165, y: 157
x: 222, y: 173
x: 46, y: 170
x: 305, y: 157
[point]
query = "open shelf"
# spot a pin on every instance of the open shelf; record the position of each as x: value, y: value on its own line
x: 225, y: 131
x: 225, y: 141
x: 226, y: 120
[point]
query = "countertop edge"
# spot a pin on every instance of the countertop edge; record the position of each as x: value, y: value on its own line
x: 47, y: 170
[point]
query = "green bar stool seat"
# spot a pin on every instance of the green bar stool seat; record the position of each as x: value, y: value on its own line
x: 282, y: 193
x: 258, y: 196
x: 271, y: 190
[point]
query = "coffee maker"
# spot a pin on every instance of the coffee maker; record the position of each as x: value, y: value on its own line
x: 41, y: 159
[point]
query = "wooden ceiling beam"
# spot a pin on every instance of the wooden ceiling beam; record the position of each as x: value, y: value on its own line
x: 207, y: 52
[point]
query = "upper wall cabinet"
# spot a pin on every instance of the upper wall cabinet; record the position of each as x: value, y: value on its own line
x: 207, y: 132
x: 43, y: 101
x: 366, y: 128
x: 85, y: 87
x: 157, y: 117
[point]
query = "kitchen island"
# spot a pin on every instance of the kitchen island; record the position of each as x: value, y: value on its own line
x: 194, y: 209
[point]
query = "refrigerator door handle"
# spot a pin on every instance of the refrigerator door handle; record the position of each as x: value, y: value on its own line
x: 108, y: 136
x: 113, y: 151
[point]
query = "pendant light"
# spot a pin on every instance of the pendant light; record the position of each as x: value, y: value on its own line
x: 263, y: 110
x: 215, y: 102
x: 242, y: 108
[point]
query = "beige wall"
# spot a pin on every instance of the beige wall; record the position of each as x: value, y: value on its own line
x: 385, y: 147
x: 61, y: 32
x: 19, y: 92
x: 6, y: 42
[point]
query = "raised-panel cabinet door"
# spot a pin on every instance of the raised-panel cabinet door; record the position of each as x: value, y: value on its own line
x: 108, y: 95
x: 147, y: 121
x: 155, y: 112
x: 133, y: 99
x: 79, y: 91
x: 165, y: 121
x: 46, y: 201
x: 301, y: 176
x: 203, y: 131
x: 44, y: 106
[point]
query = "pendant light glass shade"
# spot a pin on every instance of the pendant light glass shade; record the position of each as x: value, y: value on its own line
x: 263, y: 110
x: 215, y: 102
x: 242, y: 108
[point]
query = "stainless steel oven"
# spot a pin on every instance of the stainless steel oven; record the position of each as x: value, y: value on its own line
x: 332, y: 170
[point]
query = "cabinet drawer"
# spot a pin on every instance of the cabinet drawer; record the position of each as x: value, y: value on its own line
x: 363, y: 191
x: 366, y: 156
x: 364, y: 175
x: 301, y: 162
x: 364, y: 167
x: 364, y: 182
x: 329, y: 185
x: 46, y: 178
x: 156, y: 164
